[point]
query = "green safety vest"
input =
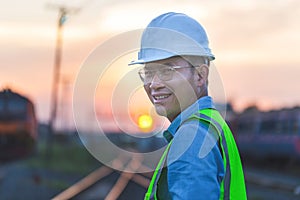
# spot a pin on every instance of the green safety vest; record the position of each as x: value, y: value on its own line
x: 233, y: 184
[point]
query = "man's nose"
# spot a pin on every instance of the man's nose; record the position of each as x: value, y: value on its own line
x: 156, y: 82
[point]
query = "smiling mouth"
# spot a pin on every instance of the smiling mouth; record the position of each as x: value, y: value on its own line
x: 161, y: 97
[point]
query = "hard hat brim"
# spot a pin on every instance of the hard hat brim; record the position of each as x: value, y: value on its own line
x: 153, y: 59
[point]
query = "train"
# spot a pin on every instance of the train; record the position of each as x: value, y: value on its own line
x: 18, y: 125
x: 268, y: 135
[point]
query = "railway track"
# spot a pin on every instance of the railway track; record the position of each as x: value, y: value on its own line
x: 262, y: 183
x: 268, y: 184
x: 124, y: 165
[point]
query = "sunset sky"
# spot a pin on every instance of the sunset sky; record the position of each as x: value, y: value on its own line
x: 256, y: 44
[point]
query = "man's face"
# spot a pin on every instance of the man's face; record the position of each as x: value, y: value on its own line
x: 180, y: 90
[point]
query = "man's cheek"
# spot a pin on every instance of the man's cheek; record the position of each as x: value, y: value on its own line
x: 148, y: 91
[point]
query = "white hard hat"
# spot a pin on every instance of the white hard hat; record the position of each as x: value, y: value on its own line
x: 173, y: 34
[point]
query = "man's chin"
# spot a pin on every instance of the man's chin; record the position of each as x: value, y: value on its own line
x: 160, y: 110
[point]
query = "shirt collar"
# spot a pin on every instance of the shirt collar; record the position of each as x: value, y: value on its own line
x: 200, y: 104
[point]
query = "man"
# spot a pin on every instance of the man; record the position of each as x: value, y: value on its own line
x: 201, y: 160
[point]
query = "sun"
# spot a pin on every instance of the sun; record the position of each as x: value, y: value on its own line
x: 145, y: 122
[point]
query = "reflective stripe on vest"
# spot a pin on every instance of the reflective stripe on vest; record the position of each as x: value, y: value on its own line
x: 233, y: 184
x: 151, y: 192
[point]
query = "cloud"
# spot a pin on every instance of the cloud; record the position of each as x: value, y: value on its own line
x: 260, y: 32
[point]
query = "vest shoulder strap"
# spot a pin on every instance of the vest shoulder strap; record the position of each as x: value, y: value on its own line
x: 233, y: 184
x: 151, y: 192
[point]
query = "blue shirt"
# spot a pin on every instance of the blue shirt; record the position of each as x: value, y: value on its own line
x: 195, y: 167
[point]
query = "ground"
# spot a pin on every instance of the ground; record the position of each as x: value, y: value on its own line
x: 41, y: 176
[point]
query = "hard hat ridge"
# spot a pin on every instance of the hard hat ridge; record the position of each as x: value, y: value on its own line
x: 173, y: 34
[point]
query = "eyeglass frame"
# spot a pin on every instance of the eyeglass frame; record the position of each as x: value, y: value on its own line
x: 159, y: 74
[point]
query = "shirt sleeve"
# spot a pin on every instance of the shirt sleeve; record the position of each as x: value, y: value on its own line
x: 195, y: 165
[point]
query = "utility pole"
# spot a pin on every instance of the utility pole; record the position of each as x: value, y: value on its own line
x: 65, y: 105
x: 63, y: 11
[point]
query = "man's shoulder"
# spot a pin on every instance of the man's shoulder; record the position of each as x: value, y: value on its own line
x: 196, y: 128
x: 190, y: 140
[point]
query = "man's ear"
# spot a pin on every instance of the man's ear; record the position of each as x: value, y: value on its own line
x: 202, y: 72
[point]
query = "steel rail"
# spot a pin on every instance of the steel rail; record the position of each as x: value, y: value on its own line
x: 128, y: 166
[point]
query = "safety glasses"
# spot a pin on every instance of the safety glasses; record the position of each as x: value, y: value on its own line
x: 164, y: 73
